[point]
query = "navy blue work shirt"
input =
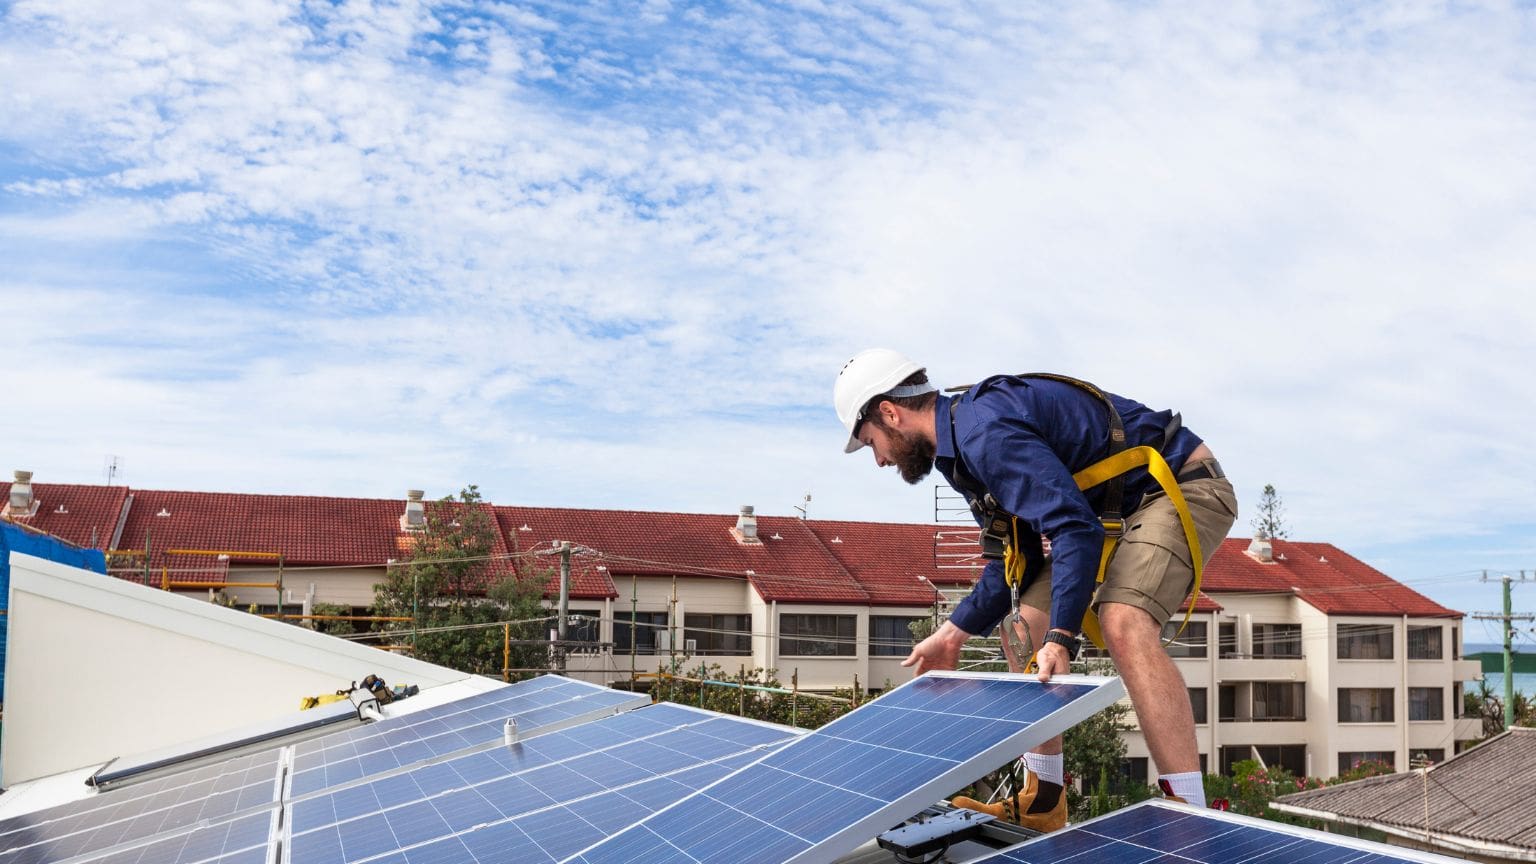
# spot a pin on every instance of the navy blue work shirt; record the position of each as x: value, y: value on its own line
x: 1022, y: 439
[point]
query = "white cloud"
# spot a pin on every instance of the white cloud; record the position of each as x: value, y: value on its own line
x: 598, y: 255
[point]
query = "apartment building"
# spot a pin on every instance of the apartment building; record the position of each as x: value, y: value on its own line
x: 1302, y: 656
x: 1296, y: 654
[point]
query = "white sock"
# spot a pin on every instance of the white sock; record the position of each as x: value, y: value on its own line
x: 1190, y: 786
x: 1051, y: 769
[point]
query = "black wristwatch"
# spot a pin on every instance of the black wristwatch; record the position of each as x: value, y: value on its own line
x: 1071, y: 643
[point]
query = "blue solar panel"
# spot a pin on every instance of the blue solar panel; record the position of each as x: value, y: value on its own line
x: 547, y: 701
x: 822, y: 795
x: 211, y: 794
x: 241, y: 841
x: 542, y: 799
x: 1157, y: 831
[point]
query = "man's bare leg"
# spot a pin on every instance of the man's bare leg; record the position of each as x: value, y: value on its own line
x: 1134, y: 640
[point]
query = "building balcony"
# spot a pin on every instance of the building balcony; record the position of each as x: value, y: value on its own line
x: 1466, y: 670
x: 1468, y: 728
x: 1235, y: 668
x: 1241, y: 732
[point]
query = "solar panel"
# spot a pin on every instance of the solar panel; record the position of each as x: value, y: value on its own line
x: 209, y: 812
x: 561, y: 791
x: 246, y: 840
x: 545, y: 702
x: 210, y: 794
x: 821, y: 795
x: 1162, y: 831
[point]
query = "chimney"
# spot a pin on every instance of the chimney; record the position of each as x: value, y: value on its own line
x: 746, y: 526
x: 415, y: 516
x: 22, y: 504
x: 1261, y: 549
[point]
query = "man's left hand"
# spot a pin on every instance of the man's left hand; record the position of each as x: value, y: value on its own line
x: 1053, y: 660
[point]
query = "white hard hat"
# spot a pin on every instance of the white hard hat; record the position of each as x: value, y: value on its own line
x: 873, y: 372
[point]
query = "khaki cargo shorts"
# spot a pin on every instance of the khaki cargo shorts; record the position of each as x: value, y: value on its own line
x: 1151, y: 569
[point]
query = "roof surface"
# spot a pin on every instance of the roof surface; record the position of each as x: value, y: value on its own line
x: 1320, y: 574
x: 84, y: 515
x: 1487, y: 794
x: 796, y: 561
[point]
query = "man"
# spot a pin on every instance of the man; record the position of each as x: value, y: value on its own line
x: 1011, y: 445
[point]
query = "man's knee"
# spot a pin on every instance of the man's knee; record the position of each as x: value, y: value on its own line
x: 1127, y: 627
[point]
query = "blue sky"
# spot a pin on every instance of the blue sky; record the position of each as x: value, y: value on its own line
x: 612, y: 254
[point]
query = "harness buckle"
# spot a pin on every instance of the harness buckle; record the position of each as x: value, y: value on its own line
x: 1114, y: 527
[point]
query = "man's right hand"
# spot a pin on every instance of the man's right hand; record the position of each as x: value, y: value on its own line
x: 939, y: 651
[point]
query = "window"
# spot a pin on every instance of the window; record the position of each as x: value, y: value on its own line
x: 1365, y: 641
x: 890, y: 635
x: 1455, y: 643
x: 1279, y: 701
x: 1291, y: 757
x: 1365, y: 705
x: 1426, y: 703
x: 1277, y: 640
x: 1354, y: 759
x: 1427, y: 757
x: 583, y: 625
x: 1198, y: 703
x: 1424, y: 643
x: 1458, y: 699
x: 1190, y: 643
x: 640, y: 633
x: 816, y: 635
x: 1226, y: 699
x: 1227, y: 639
x: 729, y: 635
x: 1133, y: 772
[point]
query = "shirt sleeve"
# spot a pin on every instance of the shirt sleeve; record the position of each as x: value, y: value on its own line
x: 988, y: 603
x: 1028, y: 480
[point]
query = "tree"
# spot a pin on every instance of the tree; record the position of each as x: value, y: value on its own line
x: 455, y: 591
x: 1252, y: 786
x: 1270, y: 523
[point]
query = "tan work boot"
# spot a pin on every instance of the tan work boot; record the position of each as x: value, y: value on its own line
x: 1016, y: 808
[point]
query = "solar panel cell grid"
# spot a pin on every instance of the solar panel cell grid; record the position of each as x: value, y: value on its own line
x: 351, y: 756
x: 865, y: 771
x: 1156, y: 832
x: 546, y: 797
x: 240, y: 841
x: 212, y: 794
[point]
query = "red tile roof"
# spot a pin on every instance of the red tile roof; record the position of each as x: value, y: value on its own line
x: 84, y: 515
x: 819, y: 561
x: 1320, y: 574
x: 789, y: 565
x: 305, y: 530
x: 895, y: 563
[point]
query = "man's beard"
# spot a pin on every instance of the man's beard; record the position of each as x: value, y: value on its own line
x: 912, y: 454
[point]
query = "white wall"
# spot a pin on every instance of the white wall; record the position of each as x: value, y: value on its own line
x: 97, y: 667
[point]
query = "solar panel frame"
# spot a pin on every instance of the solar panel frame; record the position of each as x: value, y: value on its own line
x: 701, y: 816
x: 1219, y: 837
x: 125, y: 769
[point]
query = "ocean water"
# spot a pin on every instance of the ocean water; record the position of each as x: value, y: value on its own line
x: 1525, y: 682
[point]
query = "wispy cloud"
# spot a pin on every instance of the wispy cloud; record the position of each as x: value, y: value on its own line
x: 612, y: 254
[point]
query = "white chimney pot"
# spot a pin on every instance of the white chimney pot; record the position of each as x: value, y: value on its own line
x: 21, y: 494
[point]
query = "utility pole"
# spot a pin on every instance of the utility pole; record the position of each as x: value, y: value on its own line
x: 565, y: 602
x: 1509, y: 649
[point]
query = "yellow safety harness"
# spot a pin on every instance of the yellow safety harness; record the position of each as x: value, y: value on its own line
x: 1112, y: 470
